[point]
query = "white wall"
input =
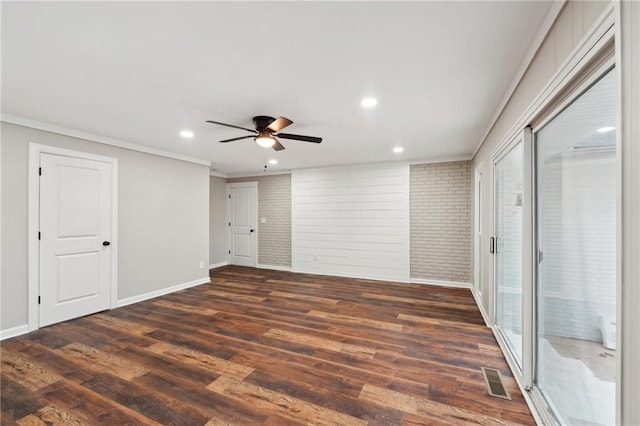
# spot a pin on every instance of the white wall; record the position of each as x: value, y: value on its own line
x: 163, y: 219
x: 352, y: 221
x: 217, y: 220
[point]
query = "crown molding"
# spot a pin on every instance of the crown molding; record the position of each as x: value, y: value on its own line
x: 258, y: 174
x: 218, y: 174
x: 451, y: 159
x: 52, y: 128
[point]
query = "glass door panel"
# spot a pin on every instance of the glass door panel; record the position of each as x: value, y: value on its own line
x: 576, y: 278
x: 508, y: 233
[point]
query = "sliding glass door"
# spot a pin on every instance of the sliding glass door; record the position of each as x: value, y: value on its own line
x: 508, y: 199
x: 576, y: 169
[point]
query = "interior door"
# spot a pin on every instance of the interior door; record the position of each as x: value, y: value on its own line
x: 242, y: 223
x: 75, y: 235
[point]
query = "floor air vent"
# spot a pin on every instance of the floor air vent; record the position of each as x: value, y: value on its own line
x: 493, y: 379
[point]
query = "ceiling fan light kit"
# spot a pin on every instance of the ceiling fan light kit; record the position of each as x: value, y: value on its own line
x: 265, y: 140
x: 266, y: 132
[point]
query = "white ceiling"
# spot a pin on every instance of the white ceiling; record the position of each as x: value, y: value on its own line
x: 141, y: 72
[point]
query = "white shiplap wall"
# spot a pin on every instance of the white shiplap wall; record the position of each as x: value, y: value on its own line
x: 352, y: 221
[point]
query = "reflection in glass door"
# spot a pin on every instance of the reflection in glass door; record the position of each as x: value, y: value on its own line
x: 508, y: 174
x: 576, y: 277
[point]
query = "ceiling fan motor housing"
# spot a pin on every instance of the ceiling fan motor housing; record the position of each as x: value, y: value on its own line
x: 262, y: 121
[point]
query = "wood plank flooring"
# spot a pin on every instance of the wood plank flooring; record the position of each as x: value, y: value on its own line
x: 265, y: 347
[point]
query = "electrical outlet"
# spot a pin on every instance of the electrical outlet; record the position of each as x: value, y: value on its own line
x: 201, y: 265
x: 263, y: 220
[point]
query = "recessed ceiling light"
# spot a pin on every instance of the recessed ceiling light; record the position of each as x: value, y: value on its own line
x: 187, y: 134
x: 606, y: 129
x: 398, y: 149
x: 273, y: 162
x: 369, y: 102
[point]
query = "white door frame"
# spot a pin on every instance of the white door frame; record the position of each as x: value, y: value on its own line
x: 252, y: 184
x: 33, y: 220
x: 477, y: 237
x: 524, y: 374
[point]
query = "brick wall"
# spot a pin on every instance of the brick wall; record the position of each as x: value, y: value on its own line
x: 441, y: 221
x: 274, y: 204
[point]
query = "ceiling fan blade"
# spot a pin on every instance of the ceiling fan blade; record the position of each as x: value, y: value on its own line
x: 303, y: 138
x: 231, y: 125
x: 278, y: 146
x: 279, y: 124
x: 237, y: 139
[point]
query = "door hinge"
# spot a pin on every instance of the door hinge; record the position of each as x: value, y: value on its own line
x: 39, y: 171
x: 229, y: 251
x: 540, y: 256
x: 39, y: 235
x: 38, y: 300
x: 229, y: 196
x: 229, y: 223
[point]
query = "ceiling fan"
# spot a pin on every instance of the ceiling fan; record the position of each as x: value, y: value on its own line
x: 266, y: 131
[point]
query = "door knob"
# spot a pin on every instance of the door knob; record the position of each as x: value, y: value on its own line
x: 251, y: 230
x: 106, y: 243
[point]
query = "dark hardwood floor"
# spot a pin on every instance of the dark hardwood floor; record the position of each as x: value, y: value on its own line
x: 265, y: 347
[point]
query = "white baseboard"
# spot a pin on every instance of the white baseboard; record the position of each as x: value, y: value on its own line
x: 14, y: 332
x: 441, y: 283
x: 485, y: 317
x: 274, y: 267
x: 161, y: 292
x: 218, y: 265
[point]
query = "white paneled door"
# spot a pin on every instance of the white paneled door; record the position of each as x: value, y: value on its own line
x: 75, y: 242
x: 243, y: 205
